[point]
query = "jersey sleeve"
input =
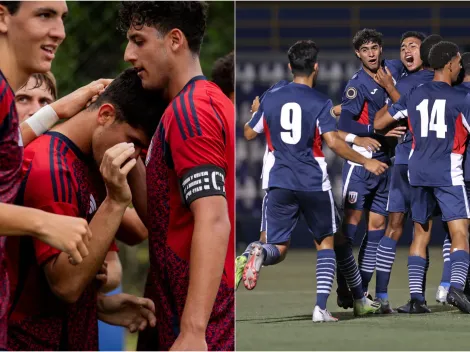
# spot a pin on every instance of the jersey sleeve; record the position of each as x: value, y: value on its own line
x: 198, y: 149
x: 351, y: 107
x: 398, y: 110
x: 326, y: 121
x: 256, y: 123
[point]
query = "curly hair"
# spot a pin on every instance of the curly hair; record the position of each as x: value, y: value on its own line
x: 365, y: 36
x: 188, y: 16
x: 222, y: 73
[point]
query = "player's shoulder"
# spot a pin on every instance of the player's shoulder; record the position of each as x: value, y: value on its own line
x: 356, y: 83
x: 319, y: 97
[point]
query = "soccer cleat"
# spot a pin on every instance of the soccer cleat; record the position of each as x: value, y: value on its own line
x: 441, y: 294
x: 322, y: 315
x: 458, y: 299
x: 239, y: 266
x: 365, y: 306
x: 368, y: 295
x: 345, y: 299
x: 253, y: 266
x: 384, y: 306
x: 414, y: 307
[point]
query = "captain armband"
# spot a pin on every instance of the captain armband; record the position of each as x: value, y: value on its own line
x: 202, y: 181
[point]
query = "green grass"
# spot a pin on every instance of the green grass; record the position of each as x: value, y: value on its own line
x: 277, y: 314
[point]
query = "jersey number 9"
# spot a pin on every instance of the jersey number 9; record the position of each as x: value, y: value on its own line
x: 291, y: 121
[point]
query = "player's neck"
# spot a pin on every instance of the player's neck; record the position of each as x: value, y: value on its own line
x: 369, y: 72
x: 15, y: 76
x: 74, y: 130
x: 308, y: 81
x: 439, y: 76
x: 182, y: 74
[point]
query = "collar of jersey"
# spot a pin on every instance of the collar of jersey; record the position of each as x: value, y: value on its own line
x: 70, y: 144
x: 194, y: 79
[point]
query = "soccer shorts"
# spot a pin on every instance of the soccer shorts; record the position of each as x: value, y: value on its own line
x: 399, y: 196
x: 364, y: 190
x: 285, y: 206
x: 452, y: 201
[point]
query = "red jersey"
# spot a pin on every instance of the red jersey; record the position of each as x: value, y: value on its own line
x: 196, y: 130
x: 11, y: 156
x: 58, y: 180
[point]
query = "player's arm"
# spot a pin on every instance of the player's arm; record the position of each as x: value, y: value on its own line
x: 386, y: 117
x: 370, y: 144
x: 385, y: 79
x: 351, y: 107
x: 132, y: 230
x: 255, y: 125
x: 64, y: 108
x: 68, y: 234
x: 138, y: 183
x: 67, y: 281
x: 110, y: 273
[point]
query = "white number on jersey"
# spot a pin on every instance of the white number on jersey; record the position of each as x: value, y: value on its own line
x: 438, y: 118
x: 294, y: 125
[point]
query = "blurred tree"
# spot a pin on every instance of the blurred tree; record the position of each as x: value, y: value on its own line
x: 94, y: 48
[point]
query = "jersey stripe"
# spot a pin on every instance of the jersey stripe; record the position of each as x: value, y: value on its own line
x: 69, y: 181
x: 460, y: 137
x: 193, y: 109
x: 268, y: 135
x: 178, y: 119
x: 185, y: 114
x: 218, y: 117
x: 364, y: 117
x: 60, y: 170
x: 51, y: 167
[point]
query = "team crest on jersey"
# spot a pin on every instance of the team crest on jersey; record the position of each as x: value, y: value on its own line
x: 351, y: 93
x: 352, y: 197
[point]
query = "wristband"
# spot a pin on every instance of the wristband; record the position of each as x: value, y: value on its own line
x: 350, y: 138
x: 42, y: 120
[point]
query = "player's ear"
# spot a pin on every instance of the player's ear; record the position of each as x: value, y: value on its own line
x: 4, y: 19
x: 106, y: 114
x: 315, y: 67
x: 290, y: 68
x: 176, y: 39
x: 357, y: 54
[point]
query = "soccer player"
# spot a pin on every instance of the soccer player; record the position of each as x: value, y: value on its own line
x: 296, y: 117
x: 190, y: 181
x: 362, y: 98
x: 223, y: 73
x: 39, y: 91
x: 438, y: 116
x: 398, y: 204
x: 54, y: 304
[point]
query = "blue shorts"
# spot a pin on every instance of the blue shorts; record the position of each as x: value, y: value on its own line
x: 284, y: 208
x: 399, y: 196
x: 364, y: 190
x: 263, y: 212
x: 452, y: 200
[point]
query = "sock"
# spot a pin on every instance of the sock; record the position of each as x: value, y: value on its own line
x: 445, y: 279
x: 247, y: 251
x: 459, y: 268
x: 348, y: 267
x: 385, y: 258
x: 326, y: 267
x: 350, y: 234
x: 368, y: 260
x: 416, y: 267
x: 271, y: 254
x: 426, y: 267
x: 360, y: 256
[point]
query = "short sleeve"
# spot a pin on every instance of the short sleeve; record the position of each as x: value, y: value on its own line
x: 353, y: 98
x: 256, y: 123
x: 326, y: 121
x: 398, y: 110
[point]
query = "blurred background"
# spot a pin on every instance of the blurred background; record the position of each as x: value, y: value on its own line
x: 265, y: 31
x: 94, y: 49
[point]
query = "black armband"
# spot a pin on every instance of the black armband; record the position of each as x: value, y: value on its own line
x: 202, y: 181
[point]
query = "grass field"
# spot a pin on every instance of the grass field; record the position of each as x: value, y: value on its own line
x: 277, y: 314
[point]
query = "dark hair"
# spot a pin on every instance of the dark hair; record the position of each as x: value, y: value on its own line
x: 441, y: 54
x: 365, y: 36
x: 47, y: 78
x: 188, y: 16
x: 302, y: 57
x: 465, y: 61
x: 426, y: 46
x: 412, y: 34
x: 135, y: 105
x: 222, y: 73
x: 12, y: 6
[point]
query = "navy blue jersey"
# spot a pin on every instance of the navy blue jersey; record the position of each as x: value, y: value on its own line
x: 403, y: 149
x: 397, y: 69
x: 295, y: 116
x: 437, y: 115
x: 465, y: 87
x: 362, y: 98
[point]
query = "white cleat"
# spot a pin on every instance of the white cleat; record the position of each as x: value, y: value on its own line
x: 320, y: 316
x: 441, y: 294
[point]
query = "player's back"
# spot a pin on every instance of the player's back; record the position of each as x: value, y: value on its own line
x: 435, y: 111
x: 294, y: 116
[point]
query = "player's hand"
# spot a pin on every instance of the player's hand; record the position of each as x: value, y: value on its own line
x: 370, y: 144
x: 337, y: 110
x: 375, y: 166
x: 190, y: 342
x: 255, y: 105
x: 67, y: 234
x: 384, y: 78
x: 102, y: 275
x: 114, y: 168
x: 132, y: 312
x: 396, y: 132
x: 74, y: 102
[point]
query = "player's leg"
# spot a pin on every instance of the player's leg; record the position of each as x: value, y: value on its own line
x: 422, y: 208
x: 455, y: 211
x: 282, y: 214
x: 443, y: 289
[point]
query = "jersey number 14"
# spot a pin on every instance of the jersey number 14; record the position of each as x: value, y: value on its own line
x: 438, y: 118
